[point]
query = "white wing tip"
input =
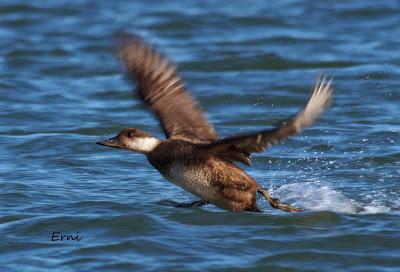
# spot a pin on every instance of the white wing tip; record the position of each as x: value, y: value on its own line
x: 318, y: 102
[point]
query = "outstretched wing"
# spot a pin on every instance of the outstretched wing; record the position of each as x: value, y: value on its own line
x: 162, y: 89
x: 239, y: 148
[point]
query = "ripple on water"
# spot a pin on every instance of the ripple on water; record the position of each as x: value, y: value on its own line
x: 250, y: 65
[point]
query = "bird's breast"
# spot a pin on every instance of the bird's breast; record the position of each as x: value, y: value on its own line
x: 191, y: 178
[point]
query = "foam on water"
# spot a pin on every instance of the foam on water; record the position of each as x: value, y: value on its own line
x: 317, y: 196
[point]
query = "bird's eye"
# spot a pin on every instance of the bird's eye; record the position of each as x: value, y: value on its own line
x: 130, y: 134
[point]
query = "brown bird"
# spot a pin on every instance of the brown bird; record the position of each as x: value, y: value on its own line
x: 193, y: 156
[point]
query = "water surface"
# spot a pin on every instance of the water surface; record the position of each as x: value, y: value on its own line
x: 250, y: 64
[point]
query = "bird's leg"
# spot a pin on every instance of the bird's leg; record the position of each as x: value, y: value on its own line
x: 194, y: 204
x: 275, y: 203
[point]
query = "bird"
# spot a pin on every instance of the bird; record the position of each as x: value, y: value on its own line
x: 193, y: 156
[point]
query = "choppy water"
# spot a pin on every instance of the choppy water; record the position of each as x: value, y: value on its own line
x: 250, y: 64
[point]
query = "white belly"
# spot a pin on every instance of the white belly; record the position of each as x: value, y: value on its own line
x: 193, y: 179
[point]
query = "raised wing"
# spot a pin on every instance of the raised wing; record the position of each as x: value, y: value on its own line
x: 239, y: 148
x: 162, y: 89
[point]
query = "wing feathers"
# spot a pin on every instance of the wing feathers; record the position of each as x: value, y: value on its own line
x: 162, y: 89
x: 238, y: 148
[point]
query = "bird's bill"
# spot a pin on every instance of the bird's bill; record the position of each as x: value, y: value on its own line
x: 113, y: 142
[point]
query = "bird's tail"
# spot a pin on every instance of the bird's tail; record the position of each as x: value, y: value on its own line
x: 275, y: 203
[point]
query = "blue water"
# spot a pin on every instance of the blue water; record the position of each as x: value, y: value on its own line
x: 251, y: 64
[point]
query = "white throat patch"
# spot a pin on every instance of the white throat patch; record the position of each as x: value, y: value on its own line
x: 143, y: 144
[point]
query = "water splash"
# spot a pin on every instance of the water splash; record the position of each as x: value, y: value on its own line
x: 318, y: 196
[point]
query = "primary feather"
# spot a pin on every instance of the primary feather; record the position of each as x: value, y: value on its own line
x: 238, y: 148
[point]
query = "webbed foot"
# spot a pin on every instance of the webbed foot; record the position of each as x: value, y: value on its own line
x: 277, y: 204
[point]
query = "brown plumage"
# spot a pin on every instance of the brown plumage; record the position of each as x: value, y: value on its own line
x: 162, y: 89
x: 192, y: 156
x: 238, y: 148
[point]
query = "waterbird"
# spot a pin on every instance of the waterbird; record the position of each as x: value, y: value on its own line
x: 193, y: 156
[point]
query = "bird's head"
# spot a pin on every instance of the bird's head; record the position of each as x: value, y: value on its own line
x: 132, y: 139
